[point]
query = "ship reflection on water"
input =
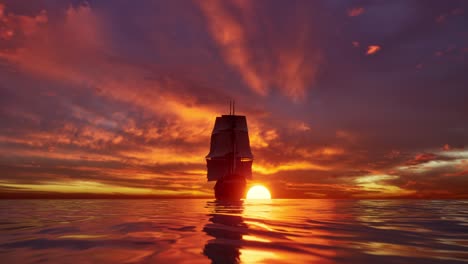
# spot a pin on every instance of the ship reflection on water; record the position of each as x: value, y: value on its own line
x: 228, y: 228
x: 239, y: 232
x: 201, y: 231
x: 331, y: 231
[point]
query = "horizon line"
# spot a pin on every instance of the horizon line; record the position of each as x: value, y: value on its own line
x: 116, y: 196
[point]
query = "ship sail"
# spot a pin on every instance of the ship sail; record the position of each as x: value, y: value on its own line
x: 230, y: 148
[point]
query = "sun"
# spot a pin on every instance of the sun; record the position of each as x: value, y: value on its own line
x: 258, y: 192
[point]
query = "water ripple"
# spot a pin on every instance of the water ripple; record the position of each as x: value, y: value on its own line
x: 200, y: 231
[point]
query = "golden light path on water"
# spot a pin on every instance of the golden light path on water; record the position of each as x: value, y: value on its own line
x: 249, y: 231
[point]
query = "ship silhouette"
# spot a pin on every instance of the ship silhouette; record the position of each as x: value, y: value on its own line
x: 229, y: 162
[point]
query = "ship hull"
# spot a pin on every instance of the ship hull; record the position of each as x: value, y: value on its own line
x: 231, y: 188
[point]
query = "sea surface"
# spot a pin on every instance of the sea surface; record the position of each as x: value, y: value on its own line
x: 204, y: 231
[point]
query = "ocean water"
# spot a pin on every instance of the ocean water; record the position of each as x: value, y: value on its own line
x: 204, y: 231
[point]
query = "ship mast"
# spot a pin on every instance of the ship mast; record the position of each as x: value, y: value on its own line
x: 232, y: 113
x: 233, y: 137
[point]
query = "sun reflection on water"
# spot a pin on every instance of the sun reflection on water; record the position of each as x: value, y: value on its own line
x: 254, y: 231
x: 257, y: 256
x: 200, y: 231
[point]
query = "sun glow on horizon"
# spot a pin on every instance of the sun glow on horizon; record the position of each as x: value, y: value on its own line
x: 257, y: 192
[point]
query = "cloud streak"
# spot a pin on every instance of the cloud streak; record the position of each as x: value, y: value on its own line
x: 287, y: 67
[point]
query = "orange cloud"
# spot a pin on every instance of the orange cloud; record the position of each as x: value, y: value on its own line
x: 320, y: 152
x: 231, y: 37
x: 17, y: 25
x: 376, y: 183
x: 295, y: 73
x: 372, y: 49
x: 302, y: 126
x: 421, y: 158
x: 265, y: 168
x: 71, y: 187
x: 81, y: 42
x: 357, y: 11
x: 441, y: 18
x: 346, y: 135
x: 291, y: 68
x: 85, y: 27
x: 458, y: 174
x: 455, y: 12
x: 393, y: 154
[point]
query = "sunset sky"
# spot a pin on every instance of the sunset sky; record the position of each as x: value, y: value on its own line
x: 344, y: 99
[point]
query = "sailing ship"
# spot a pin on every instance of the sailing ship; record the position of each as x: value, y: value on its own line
x: 229, y: 162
